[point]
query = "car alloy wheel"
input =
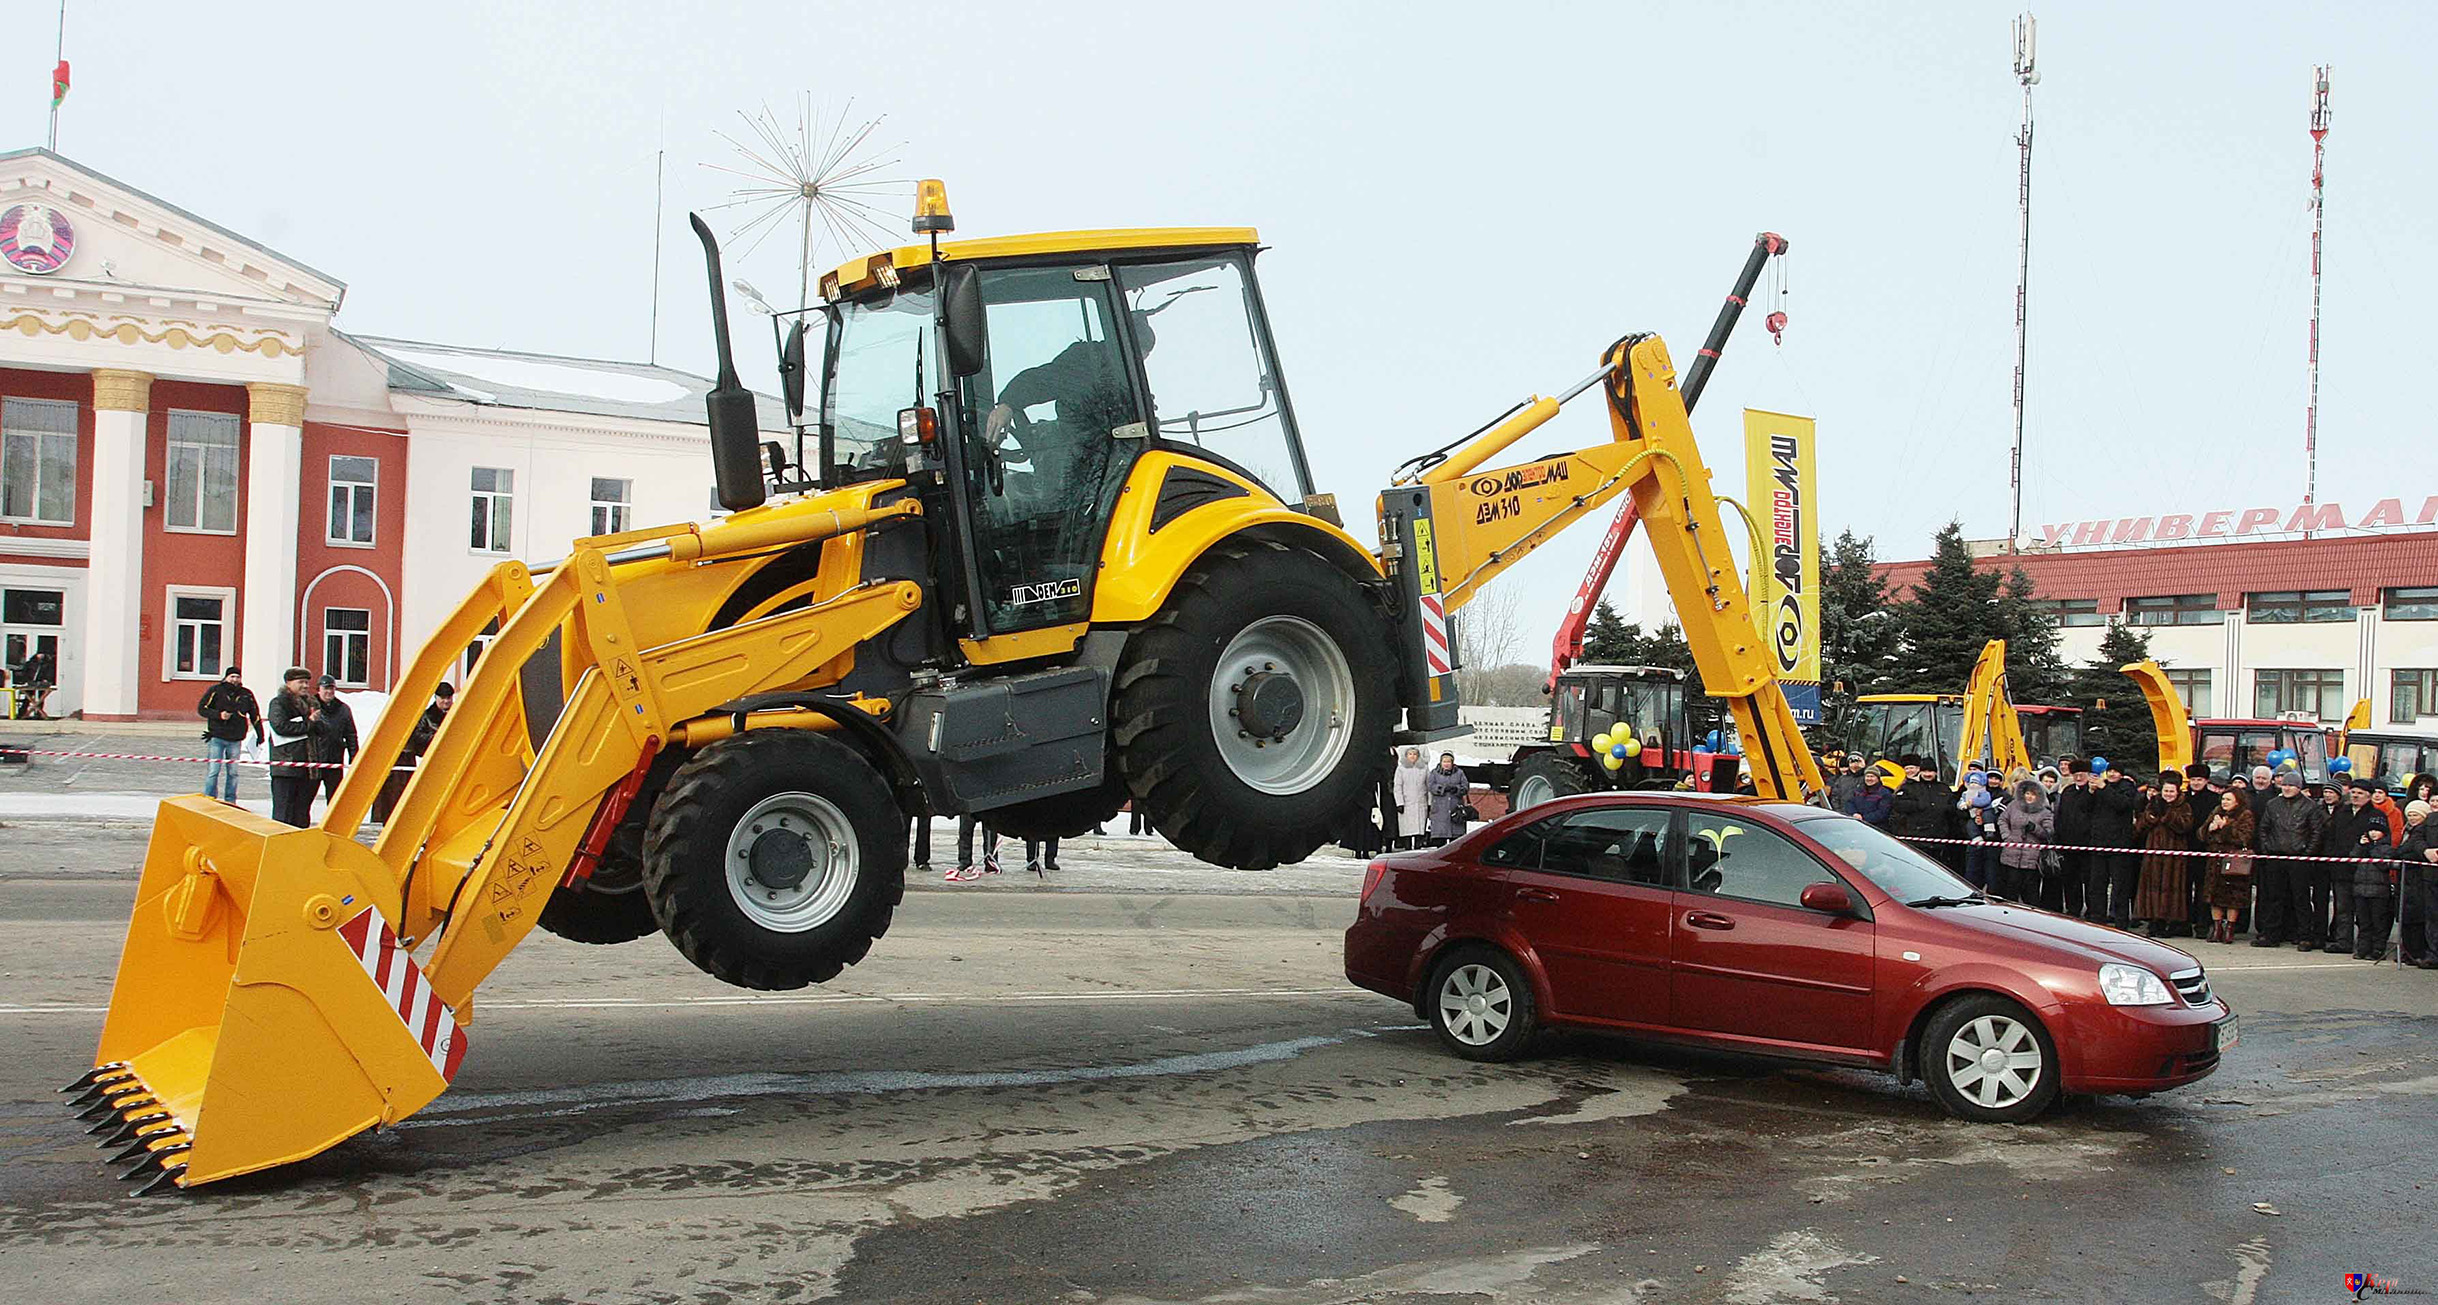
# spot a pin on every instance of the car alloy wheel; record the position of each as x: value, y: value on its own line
x: 1476, y: 1004
x: 1994, y: 1062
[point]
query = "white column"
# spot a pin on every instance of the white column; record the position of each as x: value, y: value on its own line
x: 273, y: 507
x: 114, y: 573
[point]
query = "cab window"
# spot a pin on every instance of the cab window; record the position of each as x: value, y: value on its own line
x: 1727, y: 857
x: 1214, y: 386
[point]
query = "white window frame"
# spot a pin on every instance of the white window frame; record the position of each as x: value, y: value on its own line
x: 169, y: 454
x: 2197, y: 686
x: 170, y: 623
x: 32, y: 633
x: 493, y: 545
x: 615, y: 513
x: 75, y: 439
x: 335, y: 666
x: 339, y: 530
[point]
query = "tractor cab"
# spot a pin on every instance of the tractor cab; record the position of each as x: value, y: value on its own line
x: 2051, y: 732
x: 1925, y: 725
x: 2232, y: 747
x: 1017, y: 381
x: 1649, y: 700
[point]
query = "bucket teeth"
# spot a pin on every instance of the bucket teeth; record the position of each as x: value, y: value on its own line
x: 160, y: 1158
x: 94, y: 1076
x: 134, y: 1128
x: 168, y: 1178
x: 134, y: 1149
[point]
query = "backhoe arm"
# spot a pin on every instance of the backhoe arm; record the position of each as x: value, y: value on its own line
x: 1453, y: 529
x: 1992, y: 730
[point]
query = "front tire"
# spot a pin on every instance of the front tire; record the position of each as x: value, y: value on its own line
x: 1989, y: 1061
x: 775, y: 859
x: 610, y: 906
x: 1480, y: 1004
x: 1254, y: 712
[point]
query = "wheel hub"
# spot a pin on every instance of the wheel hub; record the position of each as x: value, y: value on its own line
x: 1269, y: 704
x: 779, y: 858
x: 1992, y: 1061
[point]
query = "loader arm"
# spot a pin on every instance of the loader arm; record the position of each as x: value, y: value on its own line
x: 2168, y: 719
x: 1453, y: 529
x: 268, y: 1004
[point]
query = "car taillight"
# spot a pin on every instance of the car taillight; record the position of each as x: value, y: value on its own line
x: 1372, y: 875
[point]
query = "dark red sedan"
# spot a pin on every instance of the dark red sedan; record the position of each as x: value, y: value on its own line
x: 1779, y: 929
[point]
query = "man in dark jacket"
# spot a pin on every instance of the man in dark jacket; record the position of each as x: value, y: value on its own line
x: 1917, y: 809
x: 292, y: 719
x: 1870, y: 803
x: 1845, y: 783
x: 2288, y: 824
x: 2108, y: 893
x: 2357, y: 830
x: 2202, y: 789
x: 334, y: 738
x: 418, y: 741
x: 229, y: 713
x: 2073, y: 829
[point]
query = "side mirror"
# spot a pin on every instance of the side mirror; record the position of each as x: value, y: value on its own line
x: 1827, y: 898
x: 736, y: 425
x: 961, y: 311
x: 791, y: 370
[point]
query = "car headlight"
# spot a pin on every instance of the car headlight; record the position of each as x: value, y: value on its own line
x: 2131, y: 985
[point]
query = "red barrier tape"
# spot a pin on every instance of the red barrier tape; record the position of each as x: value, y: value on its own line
x: 2149, y: 851
x: 199, y: 761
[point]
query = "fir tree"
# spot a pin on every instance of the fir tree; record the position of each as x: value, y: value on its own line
x: 1952, y: 612
x: 2116, y: 720
x: 1860, y: 634
x: 1611, y: 640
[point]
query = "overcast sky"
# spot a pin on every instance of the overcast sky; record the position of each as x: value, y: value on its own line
x: 1464, y: 204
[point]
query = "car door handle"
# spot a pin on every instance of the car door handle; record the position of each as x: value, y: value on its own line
x: 1708, y: 920
x: 1535, y: 895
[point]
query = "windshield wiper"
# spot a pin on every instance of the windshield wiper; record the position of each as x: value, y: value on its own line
x: 1926, y: 903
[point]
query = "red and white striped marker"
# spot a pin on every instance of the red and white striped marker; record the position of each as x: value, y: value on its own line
x: 432, y: 1024
x: 1435, y: 634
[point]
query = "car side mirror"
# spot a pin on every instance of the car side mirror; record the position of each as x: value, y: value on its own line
x: 961, y: 313
x: 1827, y: 898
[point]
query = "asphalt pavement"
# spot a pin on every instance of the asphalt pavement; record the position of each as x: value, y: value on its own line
x: 1071, y: 1091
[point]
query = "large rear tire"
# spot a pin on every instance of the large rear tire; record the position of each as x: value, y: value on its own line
x: 775, y: 859
x: 1254, y: 712
x: 1546, y: 777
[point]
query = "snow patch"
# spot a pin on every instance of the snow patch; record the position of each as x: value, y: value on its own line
x: 1789, y: 1268
x: 1432, y: 1202
x: 554, y: 378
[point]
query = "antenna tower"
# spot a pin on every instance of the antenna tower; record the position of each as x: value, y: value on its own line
x: 2319, y: 213
x: 2026, y: 42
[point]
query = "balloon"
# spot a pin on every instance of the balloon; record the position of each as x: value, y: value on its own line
x: 1612, y: 761
x: 1600, y: 741
x: 2099, y: 765
x: 2341, y: 765
x: 1618, y: 750
x: 1633, y: 748
x: 2289, y: 764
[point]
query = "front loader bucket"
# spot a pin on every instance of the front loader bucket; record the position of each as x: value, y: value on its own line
x: 263, y: 1009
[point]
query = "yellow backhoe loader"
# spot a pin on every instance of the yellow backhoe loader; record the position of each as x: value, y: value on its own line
x: 1953, y: 733
x: 1054, y: 547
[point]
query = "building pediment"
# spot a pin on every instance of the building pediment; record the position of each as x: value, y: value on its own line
x: 67, y: 231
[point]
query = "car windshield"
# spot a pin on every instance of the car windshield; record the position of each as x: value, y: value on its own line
x: 1900, y: 871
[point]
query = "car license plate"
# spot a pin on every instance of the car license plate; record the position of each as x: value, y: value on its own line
x: 2223, y: 1034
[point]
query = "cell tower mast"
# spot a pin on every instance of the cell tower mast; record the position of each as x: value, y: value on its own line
x: 2319, y: 213
x: 2026, y: 41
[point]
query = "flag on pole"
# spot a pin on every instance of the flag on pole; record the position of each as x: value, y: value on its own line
x: 59, y: 83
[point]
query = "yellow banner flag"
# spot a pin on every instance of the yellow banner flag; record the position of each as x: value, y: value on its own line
x: 1782, y: 489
